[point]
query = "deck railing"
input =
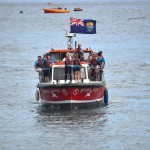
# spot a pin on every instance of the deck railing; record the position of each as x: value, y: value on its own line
x: 58, y: 74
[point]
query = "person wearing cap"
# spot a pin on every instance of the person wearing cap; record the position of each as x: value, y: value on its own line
x: 101, y: 64
x: 79, y: 51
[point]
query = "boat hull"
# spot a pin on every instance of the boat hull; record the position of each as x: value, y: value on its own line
x: 47, y: 10
x: 78, y: 9
x: 72, y: 96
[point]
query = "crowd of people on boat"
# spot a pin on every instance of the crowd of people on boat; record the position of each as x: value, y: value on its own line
x: 45, y: 64
x: 73, y: 63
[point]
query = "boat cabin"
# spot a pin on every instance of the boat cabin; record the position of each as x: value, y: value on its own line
x: 57, y: 71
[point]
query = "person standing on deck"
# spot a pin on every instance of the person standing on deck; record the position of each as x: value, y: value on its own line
x: 76, y: 68
x: 39, y: 63
x: 101, y: 64
x: 68, y: 68
x: 94, y: 63
x: 48, y: 61
x: 79, y: 51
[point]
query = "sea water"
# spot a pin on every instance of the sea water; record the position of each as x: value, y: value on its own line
x: 123, y: 34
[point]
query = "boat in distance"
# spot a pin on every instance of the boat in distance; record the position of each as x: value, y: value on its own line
x: 55, y: 10
x: 78, y: 9
x: 58, y: 94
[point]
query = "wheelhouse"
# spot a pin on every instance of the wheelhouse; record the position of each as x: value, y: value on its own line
x: 59, y: 55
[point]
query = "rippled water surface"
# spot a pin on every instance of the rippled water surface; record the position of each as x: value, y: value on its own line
x: 123, y: 33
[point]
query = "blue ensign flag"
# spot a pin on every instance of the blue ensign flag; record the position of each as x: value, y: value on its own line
x: 86, y: 26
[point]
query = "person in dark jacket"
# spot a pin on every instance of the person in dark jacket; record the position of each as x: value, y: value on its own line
x: 101, y: 64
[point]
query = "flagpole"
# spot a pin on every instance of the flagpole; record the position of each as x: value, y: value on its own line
x: 70, y: 24
x: 66, y: 25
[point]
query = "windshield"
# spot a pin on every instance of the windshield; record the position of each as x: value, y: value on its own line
x: 86, y: 55
x: 55, y: 56
x: 59, y: 73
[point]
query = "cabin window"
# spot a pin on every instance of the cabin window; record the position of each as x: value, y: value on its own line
x: 63, y: 55
x: 55, y: 56
x: 71, y: 54
x: 82, y: 73
x: 86, y: 55
x: 59, y: 74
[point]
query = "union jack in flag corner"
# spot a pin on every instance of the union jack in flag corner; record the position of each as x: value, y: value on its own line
x: 86, y: 26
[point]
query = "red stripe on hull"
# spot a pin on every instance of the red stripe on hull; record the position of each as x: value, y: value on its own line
x: 70, y: 94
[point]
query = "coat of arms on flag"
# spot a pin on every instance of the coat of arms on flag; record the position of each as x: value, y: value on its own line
x: 86, y: 26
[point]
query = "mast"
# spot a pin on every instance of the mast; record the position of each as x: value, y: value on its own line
x: 70, y: 40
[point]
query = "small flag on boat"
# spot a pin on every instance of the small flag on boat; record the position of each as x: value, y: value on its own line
x: 86, y: 26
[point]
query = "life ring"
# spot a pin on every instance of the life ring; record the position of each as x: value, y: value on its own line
x: 37, y: 95
x: 106, y: 96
